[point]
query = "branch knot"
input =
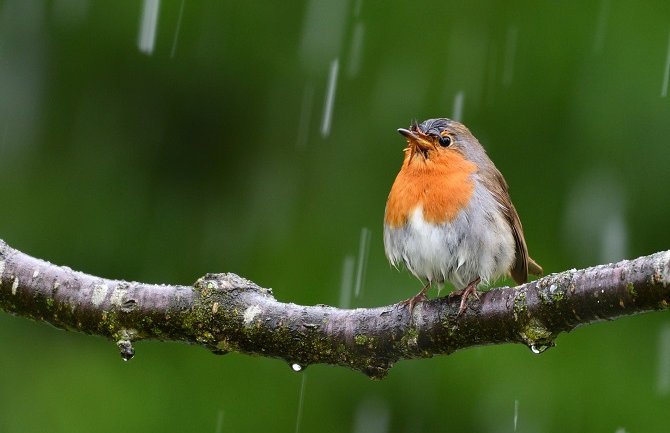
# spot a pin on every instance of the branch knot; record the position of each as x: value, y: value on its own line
x: 225, y: 312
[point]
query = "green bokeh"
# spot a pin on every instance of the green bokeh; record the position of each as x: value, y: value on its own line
x: 206, y: 155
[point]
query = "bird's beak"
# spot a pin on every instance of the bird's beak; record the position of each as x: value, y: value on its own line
x: 416, y: 139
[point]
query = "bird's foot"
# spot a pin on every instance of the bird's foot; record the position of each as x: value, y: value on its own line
x: 419, y: 297
x: 470, y: 289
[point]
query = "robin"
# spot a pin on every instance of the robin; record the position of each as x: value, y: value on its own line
x: 449, y: 216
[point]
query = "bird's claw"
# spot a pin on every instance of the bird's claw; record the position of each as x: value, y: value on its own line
x: 471, y: 289
x: 411, y: 302
x: 419, y: 297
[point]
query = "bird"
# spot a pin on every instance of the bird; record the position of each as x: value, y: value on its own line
x: 449, y: 216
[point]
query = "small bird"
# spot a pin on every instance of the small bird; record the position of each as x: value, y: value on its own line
x: 449, y: 216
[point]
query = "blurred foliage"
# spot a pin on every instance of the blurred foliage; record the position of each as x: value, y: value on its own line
x: 206, y: 154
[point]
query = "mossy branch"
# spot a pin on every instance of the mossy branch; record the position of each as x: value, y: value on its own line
x: 226, y: 313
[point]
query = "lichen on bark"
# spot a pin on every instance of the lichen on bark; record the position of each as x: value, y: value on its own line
x: 227, y: 313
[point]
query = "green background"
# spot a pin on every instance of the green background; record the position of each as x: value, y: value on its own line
x: 206, y: 154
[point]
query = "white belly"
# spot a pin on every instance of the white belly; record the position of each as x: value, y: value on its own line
x: 474, y: 244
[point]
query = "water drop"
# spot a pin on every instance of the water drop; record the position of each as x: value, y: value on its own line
x: 346, y: 284
x: 322, y: 32
x: 147, y: 36
x: 372, y: 416
x: 305, y: 115
x: 356, y: 49
x: 296, y: 367
x: 176, y: 32
x: 363, y: 248
x: 516, y: 413
x: 301, y: 399
x: 595, y: 221
x: 126, y: 350
x: 219, y: 422
x: 357, y: 8
x: 330, y: 98
x: 457, y: 112
x: 663, y: 372
x: 601, y: 26
x: 538, y: 348
x: 510, y: 53
x: 666, y: 74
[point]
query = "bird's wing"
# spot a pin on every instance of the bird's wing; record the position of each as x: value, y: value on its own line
x: 500, y: 191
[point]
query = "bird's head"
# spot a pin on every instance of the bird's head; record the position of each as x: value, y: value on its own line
x: 434, y: 138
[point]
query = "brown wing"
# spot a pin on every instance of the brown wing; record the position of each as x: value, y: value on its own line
x: 500, y: 191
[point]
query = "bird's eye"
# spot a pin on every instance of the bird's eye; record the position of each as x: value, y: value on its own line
x: 445, y: 141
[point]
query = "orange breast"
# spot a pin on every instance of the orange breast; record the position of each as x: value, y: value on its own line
x: 441, y: 185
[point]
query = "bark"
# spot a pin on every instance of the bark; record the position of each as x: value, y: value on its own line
x: 227, y: 313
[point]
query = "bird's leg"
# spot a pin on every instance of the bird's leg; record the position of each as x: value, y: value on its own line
x: 470, y: 289
x: 421, y: 296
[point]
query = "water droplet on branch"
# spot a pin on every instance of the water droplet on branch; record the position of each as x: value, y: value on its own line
x: 538, y: 348
x: 125, y: 349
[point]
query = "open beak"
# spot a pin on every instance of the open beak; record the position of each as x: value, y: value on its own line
x: 417, y: 140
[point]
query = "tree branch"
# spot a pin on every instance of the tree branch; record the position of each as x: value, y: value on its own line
x: 225, y: 313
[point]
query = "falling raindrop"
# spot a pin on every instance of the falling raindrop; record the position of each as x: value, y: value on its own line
x: 666, y: 74
x: 3, y: 136
x: 301, y: 399
x: 363, y: 247
x: 330, y: 98
x: 347, y: 281
x: 70, y: 11
x: 601, y: 25
x: 219, y: 422
x: 457, y: 113
x: 663, y: 377
x: 296, y: 367
x: 305, y: 115
x: 176, y: 32
x: 372, y: 416
x: 516, y: 413
x: 356, y: 50
x: 148, y: 25
x: 510, y: 53
x: 492, y: 72
x: 357, y: 8
x: 595, y: 222
x: 322, y: 32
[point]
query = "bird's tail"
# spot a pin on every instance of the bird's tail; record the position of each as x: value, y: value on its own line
x: 534, y: 268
